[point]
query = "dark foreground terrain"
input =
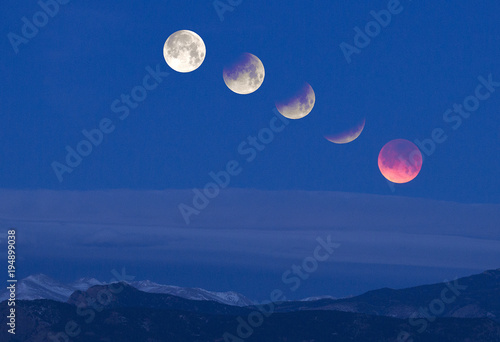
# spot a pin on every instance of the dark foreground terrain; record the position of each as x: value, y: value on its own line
x: 104, y: 314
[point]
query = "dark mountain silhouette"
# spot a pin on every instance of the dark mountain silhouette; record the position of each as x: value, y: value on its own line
x: 475, y: 296
x: 120, y: 312
x: 43, y: 318
x: 41, y: 286
x: 123, y: 295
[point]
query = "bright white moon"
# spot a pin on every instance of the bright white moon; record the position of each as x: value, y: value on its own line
x: 245, y: 75
x: 298, y: 105
x: 184, y: 51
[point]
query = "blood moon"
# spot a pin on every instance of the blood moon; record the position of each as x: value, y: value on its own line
x: 400, y: 161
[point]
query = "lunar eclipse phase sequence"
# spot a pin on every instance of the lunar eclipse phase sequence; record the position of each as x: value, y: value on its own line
x: 399, y: 161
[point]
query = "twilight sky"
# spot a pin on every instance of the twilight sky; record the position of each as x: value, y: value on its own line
x: 417, y: 79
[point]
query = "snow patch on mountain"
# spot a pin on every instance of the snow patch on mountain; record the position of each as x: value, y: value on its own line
x: 83, y: 284
x: 40, y: 286
x: 312, y: 299
x: 229, y: 298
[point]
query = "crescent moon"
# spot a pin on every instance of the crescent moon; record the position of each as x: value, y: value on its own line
x: 184, y: 51
x: 347, y: 136
x: 245, y: 75
x: 299, y: 105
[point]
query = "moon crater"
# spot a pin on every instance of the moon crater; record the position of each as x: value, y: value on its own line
x: 246, y: 75
x: 400, y: 161
x: 299, y: 105
x: 184, y: 51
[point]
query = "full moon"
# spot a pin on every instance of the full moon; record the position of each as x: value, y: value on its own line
x: 299, y: 105
x: 400, y: 161
x: 245, y: 75
x: 347, y: 136
x: 184, y: 51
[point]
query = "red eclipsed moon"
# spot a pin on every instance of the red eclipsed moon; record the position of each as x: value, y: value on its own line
x: 400, y: 161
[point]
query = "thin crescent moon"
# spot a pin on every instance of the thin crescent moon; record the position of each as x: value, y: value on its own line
x: 347, y: 136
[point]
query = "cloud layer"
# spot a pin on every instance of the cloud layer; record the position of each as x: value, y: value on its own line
x: 251, y: 227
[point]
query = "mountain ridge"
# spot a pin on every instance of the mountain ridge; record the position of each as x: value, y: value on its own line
x: 467, y: 297
x: 41, y: 286
x: 121, y: 312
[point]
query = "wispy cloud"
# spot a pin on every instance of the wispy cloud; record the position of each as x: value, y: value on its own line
x: 251, y: 227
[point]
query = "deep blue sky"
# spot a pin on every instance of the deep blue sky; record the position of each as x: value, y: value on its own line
x: 429, y: 57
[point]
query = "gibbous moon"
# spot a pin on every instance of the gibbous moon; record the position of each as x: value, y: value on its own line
x: 347, y: 136
x: 400, y: 161
x: 245, y: 75
x: 184, y: 51
x: 298, y: 105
